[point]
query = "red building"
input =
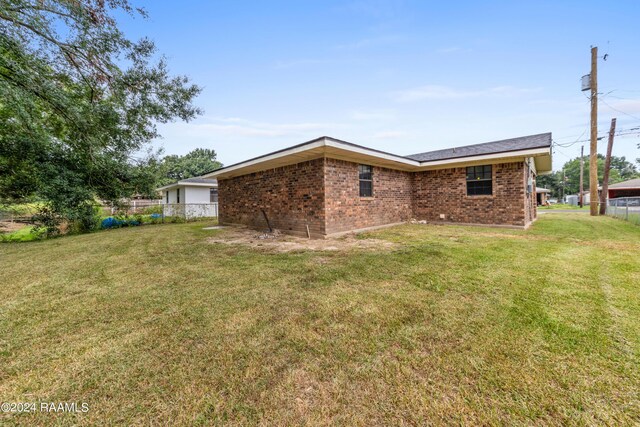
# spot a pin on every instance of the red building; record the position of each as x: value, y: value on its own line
x: 630, y: 188
x: 327, y: 186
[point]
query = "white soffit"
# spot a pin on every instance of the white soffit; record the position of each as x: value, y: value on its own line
x: 349, y: 152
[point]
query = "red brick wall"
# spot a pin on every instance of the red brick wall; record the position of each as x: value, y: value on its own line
x: 324, y: 194
x: 292, y: 196
x: 346, y: 210
x: 444, y: 191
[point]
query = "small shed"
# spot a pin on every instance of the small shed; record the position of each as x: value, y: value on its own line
x: 542, y: 194
x: 191, y: 198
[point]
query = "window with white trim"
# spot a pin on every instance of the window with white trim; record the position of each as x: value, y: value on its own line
x: 365, y: 174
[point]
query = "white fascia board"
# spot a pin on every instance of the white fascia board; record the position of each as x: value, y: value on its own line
x: 197, y: 184
x: 414, y: 164
x: 166, y: 187
x: 484, y: 157
x: 274, y: 156
x: 185, y: 184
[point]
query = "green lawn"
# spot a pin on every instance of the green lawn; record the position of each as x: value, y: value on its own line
x: 454, y: 325
x: 563, y: 206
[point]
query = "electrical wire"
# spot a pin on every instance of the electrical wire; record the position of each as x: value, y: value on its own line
x: 619, y: 111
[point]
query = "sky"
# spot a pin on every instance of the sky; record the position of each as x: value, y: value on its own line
x: 399, y: 76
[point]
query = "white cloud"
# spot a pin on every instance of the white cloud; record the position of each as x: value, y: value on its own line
x: 389, y: 135
x: 448, y: 93
x: 234, y: 126
x: 365, y: 115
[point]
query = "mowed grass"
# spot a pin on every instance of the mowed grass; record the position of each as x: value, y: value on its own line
x: 563, y: 206
x: 455, y: 325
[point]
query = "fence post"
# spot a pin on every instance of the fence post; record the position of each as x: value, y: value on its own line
x: 627, y: 214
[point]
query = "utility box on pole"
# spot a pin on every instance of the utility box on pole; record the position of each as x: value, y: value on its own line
x: 586, y: 82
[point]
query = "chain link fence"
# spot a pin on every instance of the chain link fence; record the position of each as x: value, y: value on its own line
x: 627, y: 208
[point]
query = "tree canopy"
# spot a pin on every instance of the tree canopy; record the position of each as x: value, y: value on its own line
x: 197, y: 162
x: 79, y: 102
x: 621, y: 170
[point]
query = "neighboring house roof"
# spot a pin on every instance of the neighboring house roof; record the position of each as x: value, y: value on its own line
x: 198, y: 180
x: 627, y: 185
x: 515, y: 149
x: 542, y: 190
x: 193, y: 182
x: 503, y: 146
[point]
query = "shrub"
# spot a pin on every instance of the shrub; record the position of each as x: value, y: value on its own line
x: 88, y: 218
x: 152, y: 210
x: 47, y: 221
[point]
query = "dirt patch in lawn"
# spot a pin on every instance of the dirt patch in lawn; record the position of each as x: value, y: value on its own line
x: 278, y: 242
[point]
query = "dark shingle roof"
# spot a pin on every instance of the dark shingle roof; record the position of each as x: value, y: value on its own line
x: 506, y: 145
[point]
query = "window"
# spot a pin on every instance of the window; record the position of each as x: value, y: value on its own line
x: 213, y: 195
x: 167, y: 196
x: 178, y: 195
x: 366, y: 180
x: 479, y: 180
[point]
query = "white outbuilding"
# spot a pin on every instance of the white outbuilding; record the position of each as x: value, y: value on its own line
x: 191, y: 198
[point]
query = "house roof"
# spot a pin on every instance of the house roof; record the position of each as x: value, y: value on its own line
x: 198, y: 180
x: 537, y: 147
x: 191, y: 182
x: 503, y: 146
x: 630, y: 184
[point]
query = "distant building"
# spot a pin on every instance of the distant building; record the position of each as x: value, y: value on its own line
x: 542, y: 194
x: 191, y: 198
x: 630, y: 188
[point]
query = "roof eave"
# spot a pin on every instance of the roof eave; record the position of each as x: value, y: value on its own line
x: 334, y: 148
x: 321, y: 147
x: 185, y: 184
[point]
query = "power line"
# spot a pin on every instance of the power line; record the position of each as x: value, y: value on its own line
x: 599, y: 139
x: 619, y: 111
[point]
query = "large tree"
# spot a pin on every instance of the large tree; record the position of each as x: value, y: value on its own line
x: 195, y: 163
x: 79, y: 102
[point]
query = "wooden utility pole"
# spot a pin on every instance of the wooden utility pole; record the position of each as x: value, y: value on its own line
x: 593, y: 154
x: 581, y: 194
x: 564, y: 182
x: 607, y: 167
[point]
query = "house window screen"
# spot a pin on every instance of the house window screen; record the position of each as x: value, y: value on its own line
x: 178, y: 195
x: 479, y: 180
x: 213, y: 195
x: 366, y: 180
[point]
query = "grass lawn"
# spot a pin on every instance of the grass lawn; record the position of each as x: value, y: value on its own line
x: 563, y: 206
x: 24, y: 234
x: 155, y: 325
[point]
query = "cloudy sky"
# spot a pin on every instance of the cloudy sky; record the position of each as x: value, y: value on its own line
x: 399, y: 76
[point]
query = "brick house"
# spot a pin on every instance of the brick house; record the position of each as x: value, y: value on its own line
x: 327, y: 186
